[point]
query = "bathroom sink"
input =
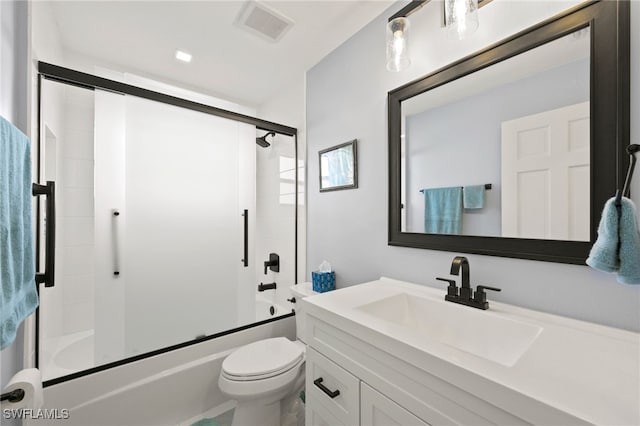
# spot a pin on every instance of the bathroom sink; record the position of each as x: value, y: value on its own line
x: 481, y: 333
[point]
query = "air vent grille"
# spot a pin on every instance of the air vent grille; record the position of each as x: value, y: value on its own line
x: 263, y: 21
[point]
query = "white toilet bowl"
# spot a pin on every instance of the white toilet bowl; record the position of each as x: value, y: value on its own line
x: 261, y: 374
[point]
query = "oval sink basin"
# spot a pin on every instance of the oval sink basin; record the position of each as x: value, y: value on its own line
x: 481, y: 333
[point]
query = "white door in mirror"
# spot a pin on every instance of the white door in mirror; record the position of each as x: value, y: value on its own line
x: 545, y: 175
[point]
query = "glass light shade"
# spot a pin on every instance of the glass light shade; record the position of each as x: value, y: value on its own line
x: 398, y: 45
x: 461, y: 17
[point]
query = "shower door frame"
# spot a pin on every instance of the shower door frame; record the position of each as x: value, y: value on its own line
x: 72, y: 77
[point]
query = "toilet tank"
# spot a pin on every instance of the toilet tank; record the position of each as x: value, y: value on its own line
x: 300, y: 291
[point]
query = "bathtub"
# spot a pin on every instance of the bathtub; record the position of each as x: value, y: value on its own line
x: 266, y: 309
x: 173, y: 388
x: 75, y: 352
x: 68, y: 354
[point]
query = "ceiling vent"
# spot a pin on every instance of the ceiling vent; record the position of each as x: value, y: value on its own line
x: 263, y: 21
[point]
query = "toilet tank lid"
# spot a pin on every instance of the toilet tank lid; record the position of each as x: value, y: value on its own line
x: 263, y: 357
x: 303, y: 289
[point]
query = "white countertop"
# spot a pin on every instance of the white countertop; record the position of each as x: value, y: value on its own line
x: 589, y: 371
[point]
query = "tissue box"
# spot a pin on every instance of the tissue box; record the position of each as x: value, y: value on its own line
x: 323, y: 281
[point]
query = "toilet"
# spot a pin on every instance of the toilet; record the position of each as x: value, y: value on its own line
x: 263, y: 373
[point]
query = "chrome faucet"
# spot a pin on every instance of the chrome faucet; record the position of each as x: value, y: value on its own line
x: 465, y: 295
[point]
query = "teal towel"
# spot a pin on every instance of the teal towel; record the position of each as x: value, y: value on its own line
x: 617, y: 248
x: 604, y: 253
x: 473, y: 197
x: 629, y: 272
x: 18, y: 295
x: 443, y: 210
x: 206, y: 422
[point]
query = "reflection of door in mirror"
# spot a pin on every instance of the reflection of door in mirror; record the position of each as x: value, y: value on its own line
x: 452, y: 136
x: 545, y: 175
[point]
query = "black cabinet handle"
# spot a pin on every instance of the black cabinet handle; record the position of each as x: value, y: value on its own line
x: 323, y: 388
x: 49, y: 190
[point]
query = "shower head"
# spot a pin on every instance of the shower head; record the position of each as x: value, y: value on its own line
x: 262, y: 141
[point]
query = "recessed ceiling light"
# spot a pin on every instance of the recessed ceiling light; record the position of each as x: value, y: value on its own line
x: 183, y: 56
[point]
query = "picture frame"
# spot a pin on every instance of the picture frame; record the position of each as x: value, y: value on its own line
x: 338, y: 167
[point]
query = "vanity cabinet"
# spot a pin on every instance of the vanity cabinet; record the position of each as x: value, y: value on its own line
x: 389, y: 352
x: 341, y: 398
x: 376, y: 388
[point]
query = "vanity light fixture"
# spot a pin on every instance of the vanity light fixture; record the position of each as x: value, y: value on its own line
x: 398, y: 44
x: 398, y: 37
x: 461, y: 17
x: 183, y: 56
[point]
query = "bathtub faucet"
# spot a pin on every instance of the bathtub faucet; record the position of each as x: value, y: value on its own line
x: 263, y: 287
x: 273, y: 263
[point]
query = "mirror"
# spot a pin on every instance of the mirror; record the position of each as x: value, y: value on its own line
x: 513, y: 151
x: 339, y: 167
x: 504, y: 151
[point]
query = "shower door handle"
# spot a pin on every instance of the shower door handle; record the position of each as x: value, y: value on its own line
x: 115, y: 214
x: 49, y: 190
x: 245, y: 260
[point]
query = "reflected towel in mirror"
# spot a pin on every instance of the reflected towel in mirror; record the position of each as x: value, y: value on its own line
x: 473, y: 197
x: 443, y: 210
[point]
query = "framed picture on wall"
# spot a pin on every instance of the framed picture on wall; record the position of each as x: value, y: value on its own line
x: 339, y: 167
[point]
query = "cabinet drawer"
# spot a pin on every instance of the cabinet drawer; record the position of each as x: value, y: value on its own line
x: 378, y: 410
x: 332, y: 387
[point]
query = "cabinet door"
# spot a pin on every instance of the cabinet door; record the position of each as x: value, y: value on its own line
x: 378, y: 410
x: 317, y: 415
x: 332, y: 387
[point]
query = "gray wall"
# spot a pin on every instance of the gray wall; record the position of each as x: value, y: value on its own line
x: 346, y: 99
x: 13, y: 107
x: 459, y: 144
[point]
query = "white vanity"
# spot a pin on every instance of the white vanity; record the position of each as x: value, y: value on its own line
x: 389, y: 352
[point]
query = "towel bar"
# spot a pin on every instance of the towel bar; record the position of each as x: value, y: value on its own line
x: 487, y: 186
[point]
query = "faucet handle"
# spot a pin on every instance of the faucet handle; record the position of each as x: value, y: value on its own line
x: 452, y: 289
x: 480, y: 296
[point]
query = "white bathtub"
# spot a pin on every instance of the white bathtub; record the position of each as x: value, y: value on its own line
x: 67, y: 354
x: 174, y: 388
x: 266, y: 309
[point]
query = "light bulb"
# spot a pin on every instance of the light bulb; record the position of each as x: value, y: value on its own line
x: 398, y: 45
x: 461, y: 17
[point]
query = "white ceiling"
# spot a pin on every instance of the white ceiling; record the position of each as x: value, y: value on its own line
x: 142, y: 36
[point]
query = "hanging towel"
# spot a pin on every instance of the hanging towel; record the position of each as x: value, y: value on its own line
x: 443, y: 210
x: 629, y: 272
x: 473, y: 197
x: 604, y: 253
x: 18, y: 295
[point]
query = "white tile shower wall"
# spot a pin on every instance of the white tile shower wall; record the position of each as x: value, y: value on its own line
x: 76, y: 201
x: 285, y: 106
x: 346, y: 99
x: 51, y: 312
x: 275, y: 214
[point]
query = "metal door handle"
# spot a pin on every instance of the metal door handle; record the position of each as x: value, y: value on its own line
x: 49, y: 190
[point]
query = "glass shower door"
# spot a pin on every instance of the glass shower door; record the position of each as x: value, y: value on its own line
x: 150, y: 232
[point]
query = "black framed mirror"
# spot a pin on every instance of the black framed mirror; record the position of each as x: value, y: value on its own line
x: 513, y: 151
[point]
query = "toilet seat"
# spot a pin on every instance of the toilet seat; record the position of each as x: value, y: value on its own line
x: 262, y: 360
